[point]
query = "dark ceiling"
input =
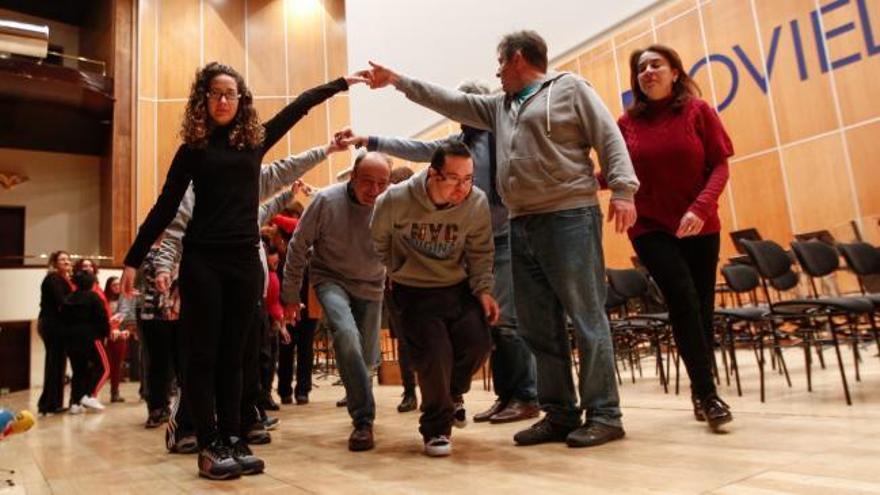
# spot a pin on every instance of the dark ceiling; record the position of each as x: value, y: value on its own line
x: 67, y: 11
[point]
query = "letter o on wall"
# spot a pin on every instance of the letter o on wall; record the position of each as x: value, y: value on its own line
x: 734, y: 76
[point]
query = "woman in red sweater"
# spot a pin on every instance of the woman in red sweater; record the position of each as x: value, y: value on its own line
x: 679, y: 150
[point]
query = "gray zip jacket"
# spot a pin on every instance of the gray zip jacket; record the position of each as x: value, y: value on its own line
x: 423, y: 246
x: 422, y: 151
x: 542, y: 144
x: 337, y: 229
x: 273, y: 178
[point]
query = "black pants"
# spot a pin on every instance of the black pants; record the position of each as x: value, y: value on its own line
x: 159, y: 339
x: 181, y: 423
x: 252, y: 388
x: 407, y: 374
x: 52, y: 397
x: 86, y: 365
x: 448, y: 339
x: 219, y: 290
x: 268, y: 360
x: 684, y: 269
x: 302, y: 343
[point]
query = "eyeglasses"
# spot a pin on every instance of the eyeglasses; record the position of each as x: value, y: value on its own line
x: 457, y: 181
x: 216, y: 95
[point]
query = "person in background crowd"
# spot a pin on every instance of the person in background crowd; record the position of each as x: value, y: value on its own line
x: 117, y: 345
x: 54, y: 289
x: 100, y: 377
x: 84, y: 317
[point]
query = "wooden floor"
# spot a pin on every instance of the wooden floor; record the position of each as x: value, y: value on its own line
x: 797, y: 442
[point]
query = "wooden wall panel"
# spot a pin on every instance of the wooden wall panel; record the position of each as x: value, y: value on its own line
x: 617, y: 247
x: 791, y: 95
x: 340, y: 117
x: 169, y: 117
x: 145, y: 174
x: 305, y: 45
x: 336, y: 39
x: 267, y: 108
x: 820, y: 193
x: 747, y: 117
x: 852, y: 53
x: 146, y: 50
x: 725, y: 214
x: 310, y: 132
x: 673, y: 10
x: 570, y: 66
x: 758, y: 192
x: 864, y: 149
x: 224, y: 33
x: 266, y: 47
x: 597, y: 67
x: 179, y: 46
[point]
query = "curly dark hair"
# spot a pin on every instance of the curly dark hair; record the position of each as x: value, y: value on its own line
x: 683, y: 88
x: 246, y: 131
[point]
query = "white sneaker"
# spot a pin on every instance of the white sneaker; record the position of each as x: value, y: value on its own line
x: 76, y: 409
x: 91, y: 403
x: 459, y: 416
x: 439, y: 446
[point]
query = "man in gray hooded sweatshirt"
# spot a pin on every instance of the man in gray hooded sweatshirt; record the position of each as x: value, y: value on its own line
x: 545, y: 123
x: 434, y: 235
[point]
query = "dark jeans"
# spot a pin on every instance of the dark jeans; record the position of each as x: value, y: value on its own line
x: 448, y: 339
x: 513, y: 364
x: 684, y: 269
x: 219, y: 290
x: 302, y: 343
x: 559, y: 270
x: 395, y: 326
x: 159, y: 337
x: 52, y: 397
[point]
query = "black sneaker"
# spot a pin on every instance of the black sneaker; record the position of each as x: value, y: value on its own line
x: 250, y: 464
x: 543, y: 431
x: 593, y: 434
x: 286, y: 400
x: 459, y: 416
x: 716, y: 412
x: 258, y: 435
x: 343, y: 402
x: 302, y: 399
x: 698, y: 409
x: 156, y: 418
x: 271, y: 423
x: 217, y: 463
x: 409, y: 403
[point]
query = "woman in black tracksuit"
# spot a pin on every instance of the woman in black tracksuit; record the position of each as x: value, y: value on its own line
x: 221, y: 276
x: 84, y: 320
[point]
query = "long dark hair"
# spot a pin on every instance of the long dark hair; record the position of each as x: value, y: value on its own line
x: 683, y: 89
x: 111, y: 296
x: 78, y: 266
x: 246, y: 131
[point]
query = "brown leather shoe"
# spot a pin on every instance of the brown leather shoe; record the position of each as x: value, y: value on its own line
x: 361, y: 438
x: 494, y: 409
x: 516, y: 410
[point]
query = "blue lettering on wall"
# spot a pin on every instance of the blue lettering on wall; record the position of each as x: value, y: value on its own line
x: 762, y: 74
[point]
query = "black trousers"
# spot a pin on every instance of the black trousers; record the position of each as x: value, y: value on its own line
x: 181, y: 423
x: 159, y: 337
x: 86, y: 365
x: 684, y: 269
x: 219, y: 290
x: 302, y: 343
x: 448, y: 339
x: 52, y: 397
x: 268, y: 360
x: 252, y: 388
x: 395, y: 326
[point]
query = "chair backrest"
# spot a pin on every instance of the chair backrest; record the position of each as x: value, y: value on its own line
x: 628, y: 283
x: 772, y: 263
x: 613, y: 300
x: 750, y: 234
x: 816, y: 258
x: 862, y: 258
x: 740, y: 278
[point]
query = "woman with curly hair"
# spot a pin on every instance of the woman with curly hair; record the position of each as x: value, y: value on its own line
x: 220, y: 272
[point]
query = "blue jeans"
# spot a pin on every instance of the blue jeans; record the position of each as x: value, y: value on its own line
x: 354, y: 323
x: 513, y: 365
x: 558, y: 270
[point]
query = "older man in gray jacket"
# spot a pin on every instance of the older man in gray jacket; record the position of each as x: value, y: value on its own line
x: 545, y: 123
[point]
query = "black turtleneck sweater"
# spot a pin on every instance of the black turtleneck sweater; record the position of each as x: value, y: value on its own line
x: 226, y: 184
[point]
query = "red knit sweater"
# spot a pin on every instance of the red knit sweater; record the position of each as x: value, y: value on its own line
x: 680, y: 157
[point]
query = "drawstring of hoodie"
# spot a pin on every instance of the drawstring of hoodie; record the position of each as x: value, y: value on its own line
x: 549, y: 95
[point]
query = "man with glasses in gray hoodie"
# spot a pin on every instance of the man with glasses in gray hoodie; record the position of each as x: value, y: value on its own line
x: 545, y: 124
